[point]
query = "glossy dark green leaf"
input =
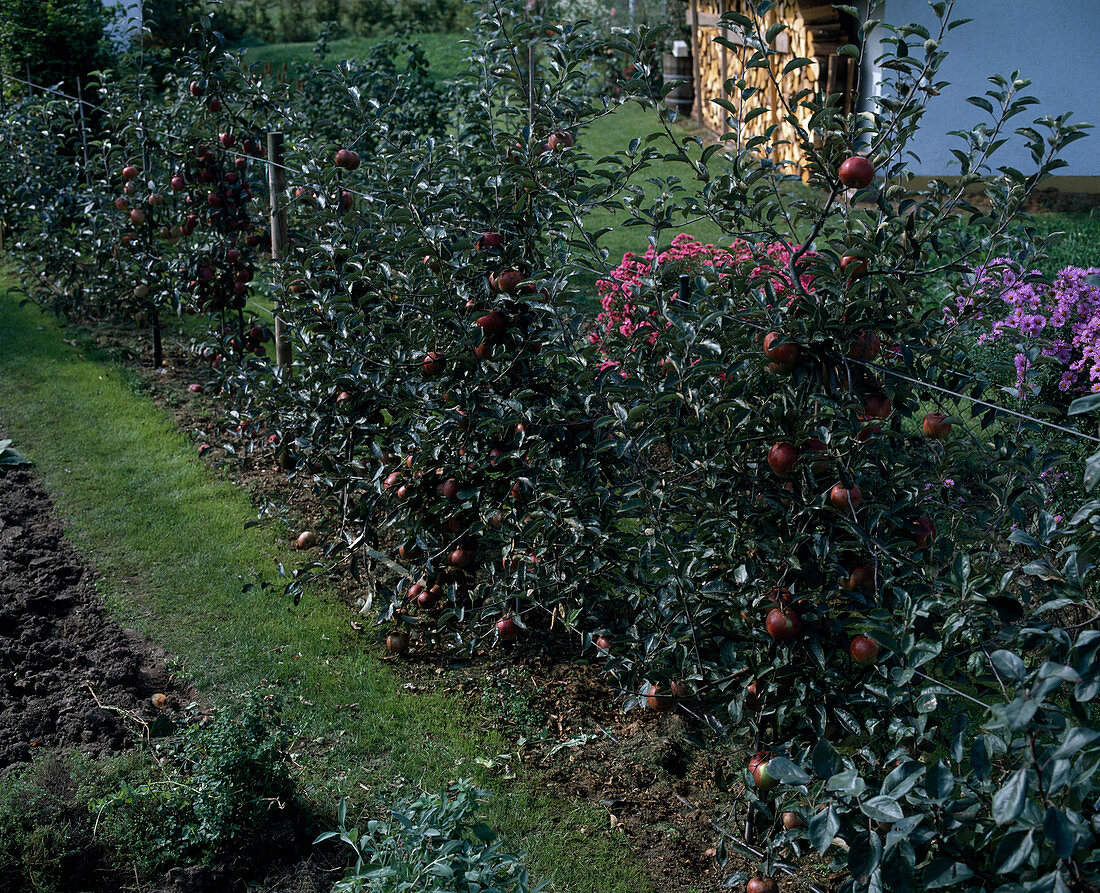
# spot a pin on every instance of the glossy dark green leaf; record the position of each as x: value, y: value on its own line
x: 942, y: 872
x: 1008, y: 801
x: 882, y: 809
x: 823, y: 828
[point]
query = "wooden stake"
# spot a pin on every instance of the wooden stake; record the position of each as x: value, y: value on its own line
x: 158, y: 348
x: 276, y: 182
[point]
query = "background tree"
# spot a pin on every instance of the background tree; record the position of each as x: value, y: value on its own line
x: 56, y: 40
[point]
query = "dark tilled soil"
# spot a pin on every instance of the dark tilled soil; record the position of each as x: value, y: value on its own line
x: 69, y: 674
x: 71, y: 677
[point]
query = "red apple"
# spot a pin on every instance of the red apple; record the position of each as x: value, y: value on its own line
x: 792, y: 820
x: 197, y: 89
x: 507, y: 629
x: 490, y: 240
x: 853, y: 267
x: 934, y: 426
x: 782, y: 458
x: 758, y: 767
x: 561, y: 139
x: 178, y: 183
x: 783, y: 624
x: 866, y: 347
x: 214, y: 105
x: 658, y: 700
x: 752, y: 696
x: 845, y: 498
x: 122, y: 203
x: 862, y: 577
x: 137, y: 216
x: 449, y: 490
x: 347, y: 159
x: 783, y: 353
x: 509, y: 280
x: 494, y: 323
x: 434, y: 364
x: 306, y: 539
x: 921, y: 530
x: 781, y: 596
x: 397, y: 643
x: 461, y: 558
x: 762, y: 885
x: 856, y: 172
x: 603, y: 644
x: 878, y: 406
x: 129, y: 172
x: 864, y: 650
x: 227, y: 140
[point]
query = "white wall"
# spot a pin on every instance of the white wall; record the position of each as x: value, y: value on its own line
x: 1052, y: 42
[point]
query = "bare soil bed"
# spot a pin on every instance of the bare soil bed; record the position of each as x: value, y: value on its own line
x: 68, y: 673
x: 72, y: 678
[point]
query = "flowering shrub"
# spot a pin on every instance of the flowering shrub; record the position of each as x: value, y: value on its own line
x: 687, y: 255
x: 1059, y: 319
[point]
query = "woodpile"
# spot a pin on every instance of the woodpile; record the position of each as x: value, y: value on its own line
x: 814, y: 31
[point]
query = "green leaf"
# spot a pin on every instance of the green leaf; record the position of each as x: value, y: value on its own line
x: 903, y: 779
x: 787, y: 772
x: 10, y: 458
x: 1092, y: 471
x: 484, y: 832
x: 796, y: 64
x: 945, y: 873
x: 1008, y: 665
x: 1009, y: 801
x: 884, y: 809
x: 1015, y: 848
x: 1085, y: 404
x: 823, y: 828
x: 1060, y: 832
x: 940, y: 782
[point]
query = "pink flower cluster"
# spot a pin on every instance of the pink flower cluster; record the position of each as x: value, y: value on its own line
x: 1063, y: 316
x: 618, y: 292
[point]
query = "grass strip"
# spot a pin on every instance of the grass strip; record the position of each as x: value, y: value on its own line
x: 167, y: 538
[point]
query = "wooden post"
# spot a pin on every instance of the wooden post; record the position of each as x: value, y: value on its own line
x: 83, y: 130
x: 276, y: 182
x: 158, y: 347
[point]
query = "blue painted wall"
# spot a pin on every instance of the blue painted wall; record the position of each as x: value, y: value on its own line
x: 127, y: 24
x: 1055, y: 43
